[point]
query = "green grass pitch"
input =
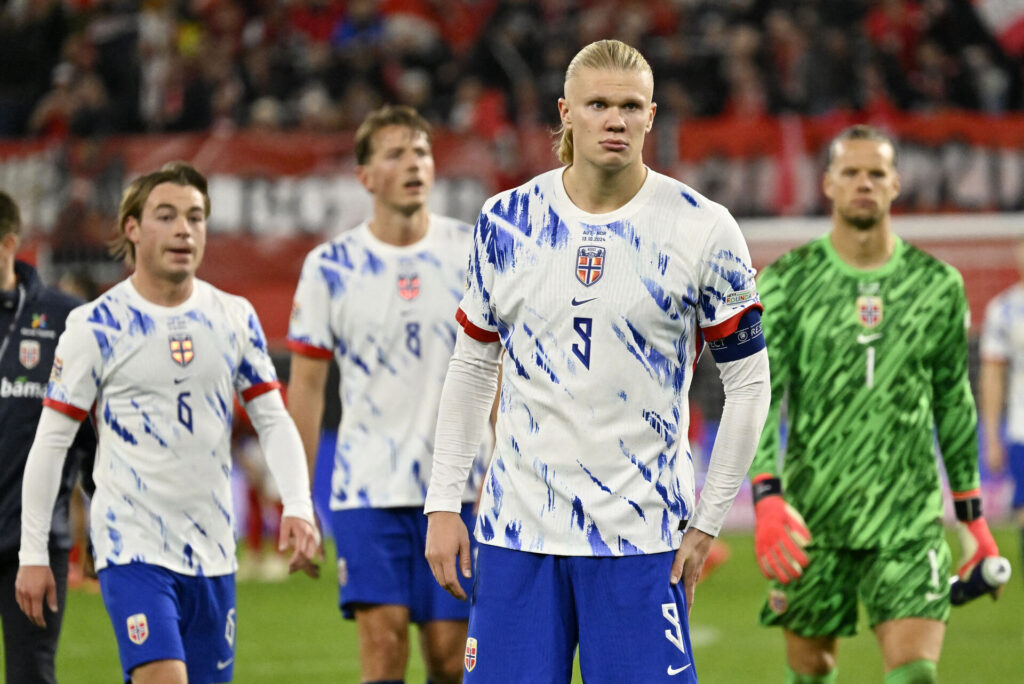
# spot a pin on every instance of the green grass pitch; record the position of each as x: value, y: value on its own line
x: 292, y: 632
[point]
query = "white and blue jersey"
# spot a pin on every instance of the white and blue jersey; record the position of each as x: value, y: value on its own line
x: 602, y: 318
x: 162, y: 381
x: 1002, y: 339
x: 386, y: 314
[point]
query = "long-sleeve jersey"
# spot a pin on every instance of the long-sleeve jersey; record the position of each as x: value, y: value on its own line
x: 874, y: 365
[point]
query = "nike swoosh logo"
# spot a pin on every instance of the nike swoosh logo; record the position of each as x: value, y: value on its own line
x: 868, y: 339
x: 576, y: 302
x: 178, y: 381
x: 672, y: 671
x: 929, y: 596
x: 221, y: 664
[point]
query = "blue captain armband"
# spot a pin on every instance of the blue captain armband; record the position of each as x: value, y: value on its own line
x: 746, y: 340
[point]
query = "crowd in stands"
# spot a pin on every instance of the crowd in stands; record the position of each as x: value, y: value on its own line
x: 94, y: 67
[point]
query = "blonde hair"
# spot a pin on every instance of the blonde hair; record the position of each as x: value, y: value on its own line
x: 602, y: 54
x: 134, y: 200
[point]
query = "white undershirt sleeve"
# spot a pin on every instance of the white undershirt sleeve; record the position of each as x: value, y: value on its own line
x: 747, y: 396
x: 282, y: 447
x: 41, y: 482
x: 466, y: 401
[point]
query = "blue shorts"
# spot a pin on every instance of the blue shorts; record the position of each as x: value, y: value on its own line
x: 1015, y: 456
x: 381, y: 562
x: 529, y: 611
x: 159, y: 614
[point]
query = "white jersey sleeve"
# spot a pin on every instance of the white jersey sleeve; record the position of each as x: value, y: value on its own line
x: 996, y: 343
x: 78, y: 364
x: 256, y: 374
x: 726, y: 279
x: 309, y: 329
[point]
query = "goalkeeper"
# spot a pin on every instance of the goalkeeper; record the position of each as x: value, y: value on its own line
x: 867, y: 336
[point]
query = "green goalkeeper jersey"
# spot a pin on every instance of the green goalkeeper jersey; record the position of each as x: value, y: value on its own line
x: 872, y: 366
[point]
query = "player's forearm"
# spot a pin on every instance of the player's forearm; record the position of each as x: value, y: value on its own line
x: 466, y: 401
x: 282, y: 447
x: 991, y: 395
x: 306, y: 403
x: 747, y: 398
x: 41, y: 483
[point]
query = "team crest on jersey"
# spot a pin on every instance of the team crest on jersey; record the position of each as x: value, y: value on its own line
x: 409, y: 286
x: 589, y: 264
x: 470, y: 654
x: 182, y: 352
x: 28, y: 353
x: 869, y: 309
x: 777, y: 601
x: 138, y: 628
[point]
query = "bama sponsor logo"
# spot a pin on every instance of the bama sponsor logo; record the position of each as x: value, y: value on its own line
x: 21, y: 388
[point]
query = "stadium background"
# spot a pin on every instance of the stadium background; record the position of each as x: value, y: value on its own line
x: 263, y: 96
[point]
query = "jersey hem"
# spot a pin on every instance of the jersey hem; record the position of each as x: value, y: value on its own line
x: 309, y: 350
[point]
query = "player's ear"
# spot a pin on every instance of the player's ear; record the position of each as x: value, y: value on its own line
x: 895, y: 185
x: 650, y: 118
x: 364, y: 177
x: 563, y: 112
x: 131, y: 229
x: 826, y: 185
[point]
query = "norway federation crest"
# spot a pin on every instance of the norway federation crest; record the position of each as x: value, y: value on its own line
x: 470, y: 654
x: 138, y: 628
x: 409, y: 286
x: 589, y: 264
x: 869, y: 309
x: 181, y: 350
x: 28, y: 353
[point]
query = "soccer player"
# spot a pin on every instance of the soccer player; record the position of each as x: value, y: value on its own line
x: 379, y: 299
x: 1002, y: 386
x: 600, y: 282
x: 867, y: 337
x: 158, y: 360
x: 31, y: 319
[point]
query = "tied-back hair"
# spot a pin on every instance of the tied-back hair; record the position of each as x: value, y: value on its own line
x: 134, y: 200
x: 388, y: 115
x: 861, y: 132
x: 612, y: 55
x: 10, y: 216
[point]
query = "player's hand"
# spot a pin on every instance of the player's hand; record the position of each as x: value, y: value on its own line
x: 448, y: 539
x: 780, y: 537
x: 34, y: 584
x: 995, y: 456
x: 689, y: 561
x: 976, y: 543
x: 304, y: 538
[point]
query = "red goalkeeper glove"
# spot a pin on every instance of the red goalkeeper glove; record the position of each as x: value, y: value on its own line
x: 780, y: 533
x: 976, y: 540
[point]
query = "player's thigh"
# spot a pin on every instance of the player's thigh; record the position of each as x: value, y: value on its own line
x: 822, y: 602
x: 429, y: 602
x: 161, y: 672
x: 208, y: 627
x: 905, y: 640
x: 145, y: 611
x: 30, y: 652
x: 376, y: 551
x: 522, y: 621
x: 633, y: 624
x: 910, y: 581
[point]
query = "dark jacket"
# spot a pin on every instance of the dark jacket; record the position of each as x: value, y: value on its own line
x: 30, y: 323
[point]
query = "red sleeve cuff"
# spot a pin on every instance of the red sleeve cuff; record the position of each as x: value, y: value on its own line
x: 67, y: 409
x: 729, y: 325
x: 969, y: 494
x: 262, y: 388
x: 478, y: 334
x: 309, y: 350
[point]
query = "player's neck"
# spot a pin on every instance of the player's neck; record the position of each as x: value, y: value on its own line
x: 598, y: 191
x: 161, y: 291
x: 395, y: 228
x: 8, y: 279
x: 863, y: 249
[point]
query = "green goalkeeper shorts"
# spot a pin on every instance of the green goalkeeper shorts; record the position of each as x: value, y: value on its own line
x: 909, y: 581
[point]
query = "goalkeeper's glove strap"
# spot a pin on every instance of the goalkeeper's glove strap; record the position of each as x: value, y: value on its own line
x: 765, y: 485
x: 967, y: 505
